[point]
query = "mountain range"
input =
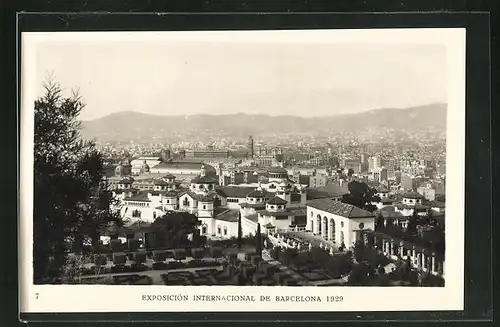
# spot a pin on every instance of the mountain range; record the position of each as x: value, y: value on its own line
x: 127, y: 125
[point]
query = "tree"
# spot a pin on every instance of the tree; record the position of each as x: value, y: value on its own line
x: 411, y: 229
x: 258, y: 239
x: 360, y: 195
x: 240, y: 231
x: 379, y: 221
x: 350, y: 172
x: 172, y: 230
x: 71, y: 203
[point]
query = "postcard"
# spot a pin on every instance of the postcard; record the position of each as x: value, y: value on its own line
x: 208, y: 171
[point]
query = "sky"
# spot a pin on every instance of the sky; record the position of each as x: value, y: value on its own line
x: 188, y: 76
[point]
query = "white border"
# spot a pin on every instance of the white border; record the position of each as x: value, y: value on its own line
x: 100, y: 298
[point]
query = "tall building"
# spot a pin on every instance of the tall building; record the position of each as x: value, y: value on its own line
x: 374, y: 163
x: 250, y: 146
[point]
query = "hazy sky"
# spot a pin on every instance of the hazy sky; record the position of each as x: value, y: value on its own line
x: 189, y: 77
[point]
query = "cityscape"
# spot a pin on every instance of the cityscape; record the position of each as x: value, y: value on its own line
x: 239, y: 198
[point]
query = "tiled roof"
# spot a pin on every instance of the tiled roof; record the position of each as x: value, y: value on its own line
x: 181, y: 165
x: 339, y: 208
x: 277, y: 170
x: 204, y: 180
x: 412, y: 195
x: 161, y: 183
x: 234, y: 191
x: 437, y: 204
x: 276, y: 200
x: 257, y: 194
x: 228, y: 215
x: 295, y: 197
x: 253, y: 205
x: 253, y: 217
x: 139, y: 197
x: 285, y: 213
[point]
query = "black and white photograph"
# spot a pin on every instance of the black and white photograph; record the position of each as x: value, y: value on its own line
x: 245, y: 159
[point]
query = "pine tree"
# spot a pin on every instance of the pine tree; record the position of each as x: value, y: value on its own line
x: 240, y: 231
x: 258, y: 238
x: 411, y: 229
x: 70, y: 201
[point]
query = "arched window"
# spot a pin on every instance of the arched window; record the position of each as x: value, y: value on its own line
x: 225, y: 230
x: 218, y: 230
x: 361, y: 226
x: 341, y: 224
x: 203, y: 229
x: 154, y: 214
x: 210, y: 186
x: 204, y: 207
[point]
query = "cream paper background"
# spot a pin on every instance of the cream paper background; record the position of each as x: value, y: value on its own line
x: 101, y: 298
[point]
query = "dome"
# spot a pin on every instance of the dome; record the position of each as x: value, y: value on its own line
x: 277, y: 170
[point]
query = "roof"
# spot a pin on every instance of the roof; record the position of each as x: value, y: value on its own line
x: 206, y: 198
x: 253, y: 217
x: 387, y: 200
x: 253, y: 205
x: 277, y: 170
x: 126, y: 181
x: 276, y: 200
x: 182, y: 165
x: 299, y: 211
x: 169, y: 176
x: 257, y: 194
x: 139, y: 197
x: 295, y: 197
x: 228, y: 215
x: 285, y: 213
x: 328, y: 191
x: 412, y: 195
x: 339, y: 208
x: 406, y: 206
x: 161, y: 183
x: 204, y: 180
x: 234, y: 191
x: 437, y: 204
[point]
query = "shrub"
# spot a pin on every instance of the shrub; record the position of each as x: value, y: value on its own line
x: 216, y: 251
x: 117, y: 269
x: 255, y: 260
x: 179, y: 254
x: 139, y: 258
x: 133, y: 244
x: 198, y: 253
x: 119, y: 259
x: 100, y: 260
x: 115, y: 245
x: 159, y: 256
x: 159, y: 266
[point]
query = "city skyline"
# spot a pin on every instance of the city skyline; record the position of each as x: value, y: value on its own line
x: 230, y: 76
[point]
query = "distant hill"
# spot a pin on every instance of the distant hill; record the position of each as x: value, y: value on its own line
x: 131, y: 125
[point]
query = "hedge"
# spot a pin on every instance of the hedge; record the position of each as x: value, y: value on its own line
x: 133, y: 244
x: 159, y: 256
x: 198, y: 253
x: 119, y: 259
x: 180, y: 254
x: 139, y: 257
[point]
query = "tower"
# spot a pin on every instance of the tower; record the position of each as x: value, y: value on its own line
x: 250, y: 146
